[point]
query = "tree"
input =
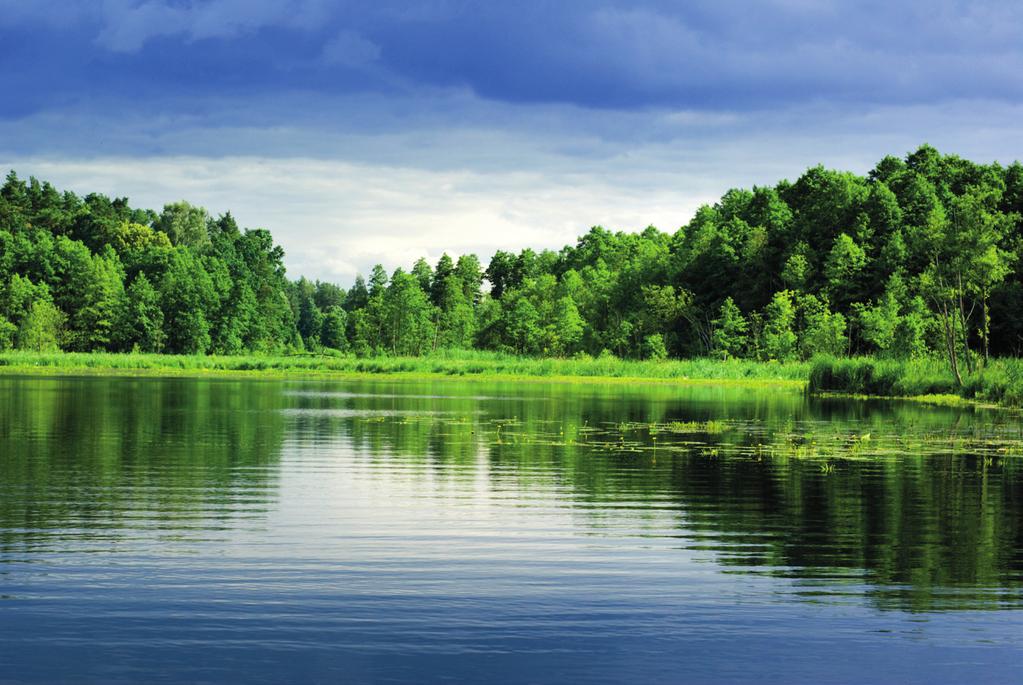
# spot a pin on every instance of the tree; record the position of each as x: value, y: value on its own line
x: 568, y: 327
x: 103, y: 302
x: 845, y: 263
x: 966, y: 262
x: 7, y: 332
x: 913, y: 330
x: 142, y: 326
x: 360, y: 333
x: 333, y: 332
x: 521, y: 324
x: 779, y: 336
x: 797, y: 271
x: 456, y: 321
x: 445, y: 269
x: 308, y: 316
x: 186, y: 294
x: 729, y: 330
x: 423, y: 273
x: 923, y: 252
x: 501, y: 273
x: 469, y: 272
x: 42, y: 329
x: 409, y: 316
x: 328, y: 295
x: 653, y: 347
x: 979, y: 234
x: 184, y: 224
x: 261, y: 268
x: 823, y: 331
x: 357, y: 296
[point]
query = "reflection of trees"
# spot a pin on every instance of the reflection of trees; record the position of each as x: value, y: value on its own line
x: 915, y: 512
x: 924, y: 514
x: 112, y: 453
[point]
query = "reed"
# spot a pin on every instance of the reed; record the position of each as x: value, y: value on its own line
x: 1000, y: 381
x: 460, y: 363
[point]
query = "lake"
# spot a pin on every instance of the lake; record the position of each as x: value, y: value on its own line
x: 169, y: 530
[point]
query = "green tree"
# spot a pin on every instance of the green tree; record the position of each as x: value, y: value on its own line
x: 913, y: 330
x: 653, y: 347
x: 568, y: 327
x: 456, y: 320
x: 823, y: 331
x: 779, y: 335
x: 42, y: 329
x: 335, y: 324
x: 309, y: 318
x: 409, y: 328
x: 797, y: 271
x: 423, y: 273
x: 445, y: 269
x: 7, y: 333
x: 845, y: 264
x: 184, y: 224
x: 186, y: 294
x: 730, y: 329
x: 142, y: 326
x: 469, y: 272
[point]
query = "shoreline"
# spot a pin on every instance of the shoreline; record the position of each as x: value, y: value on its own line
x: 454, y: 367
x: 326, y: 374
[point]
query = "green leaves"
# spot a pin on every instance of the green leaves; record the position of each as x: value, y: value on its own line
x: 920, y: 256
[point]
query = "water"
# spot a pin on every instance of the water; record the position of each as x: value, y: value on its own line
x: 263, y: 531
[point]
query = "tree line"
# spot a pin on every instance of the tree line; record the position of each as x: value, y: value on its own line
x: 920, y: 256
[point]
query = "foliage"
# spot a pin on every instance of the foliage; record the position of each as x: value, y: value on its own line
x: 454, y: 363
x: 918, y: 258
x: 729, y: 330
x: 779, y: 327
x: 1000, y: 382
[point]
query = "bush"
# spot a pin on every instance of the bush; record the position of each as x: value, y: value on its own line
x: 1000, y: 382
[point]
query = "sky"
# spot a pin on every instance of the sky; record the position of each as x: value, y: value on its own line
x: 365, y: 132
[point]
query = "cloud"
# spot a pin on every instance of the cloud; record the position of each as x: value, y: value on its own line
x: 335, y: 219
x: 340, y: 203
x: 128, y: 25
x: 365, y: 131
x: 607, y: 54
x: 349, y: 49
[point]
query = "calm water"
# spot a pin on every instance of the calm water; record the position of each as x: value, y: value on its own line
x: 256, y: 531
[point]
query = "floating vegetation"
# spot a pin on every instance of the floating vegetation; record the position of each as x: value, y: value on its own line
x: 708, y: 427
x: 823, y: 443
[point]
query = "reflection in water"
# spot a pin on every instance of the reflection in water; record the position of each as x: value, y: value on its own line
x: 244, y: 530
x: 119, y: 456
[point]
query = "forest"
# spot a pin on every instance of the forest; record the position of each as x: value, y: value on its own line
x: 919, y: 258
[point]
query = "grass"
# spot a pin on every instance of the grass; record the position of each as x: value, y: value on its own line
x: 450, y: 363
x: 1000, y: 382
x: 927, y: 379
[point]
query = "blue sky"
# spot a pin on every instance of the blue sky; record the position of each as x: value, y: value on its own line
x: 383, y: 131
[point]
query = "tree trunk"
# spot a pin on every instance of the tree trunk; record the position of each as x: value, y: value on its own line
x: 950, y: 343
x: 964, y: 325
x: 986, y: 331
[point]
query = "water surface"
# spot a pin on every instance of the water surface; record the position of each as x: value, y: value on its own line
x: 265, y: 531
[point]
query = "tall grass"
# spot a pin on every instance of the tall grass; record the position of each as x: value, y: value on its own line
x: 1001, y: 381
x: 445, y: 362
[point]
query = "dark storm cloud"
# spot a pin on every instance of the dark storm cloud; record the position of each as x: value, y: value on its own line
x: 364, y: 132
x: 606, y: 55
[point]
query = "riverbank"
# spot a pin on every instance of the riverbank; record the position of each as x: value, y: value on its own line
x: 446, y: 365
x: 926, y: 380
x: 999, y: 382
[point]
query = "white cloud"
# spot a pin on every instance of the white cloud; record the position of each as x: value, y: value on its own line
x: 128, y: 25
x: 393, y: 180
x: 336, y: 218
